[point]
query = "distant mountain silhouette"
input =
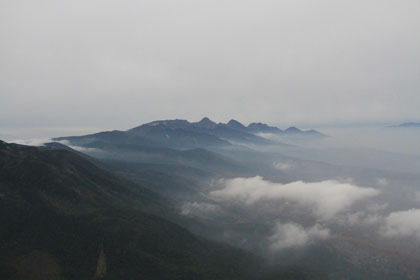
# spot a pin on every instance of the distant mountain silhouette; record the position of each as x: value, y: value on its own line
x: 206, y: 123
x: 293, y: 130
x: 231, y: 131
x: 182, y: 134
x: 263, y: 128
x: 408, y: 125
x: 236, y: 125
x: 204, y: 133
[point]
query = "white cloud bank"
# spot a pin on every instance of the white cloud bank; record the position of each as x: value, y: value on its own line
x: 325, y: 199
x: 78, y: 148
x: 402, y: 224
x: 38, y: 142
x: 32, y: 142
x: 291, y: 235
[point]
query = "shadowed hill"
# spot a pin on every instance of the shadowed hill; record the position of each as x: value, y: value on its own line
x: 123, y: 146
x: 60, y: 213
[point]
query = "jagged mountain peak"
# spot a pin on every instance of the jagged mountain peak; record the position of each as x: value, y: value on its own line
x: 235, y: 124
x: 206, y: 119
x: 264, y: 128
x: 257, y: 124
x: 206, y: 122
x: 293, y: 129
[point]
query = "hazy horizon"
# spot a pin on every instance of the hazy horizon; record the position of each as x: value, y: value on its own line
x: 24, y: 132
x: 105, y: 63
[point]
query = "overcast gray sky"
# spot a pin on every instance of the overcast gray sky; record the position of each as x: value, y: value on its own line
x: 121, y: 63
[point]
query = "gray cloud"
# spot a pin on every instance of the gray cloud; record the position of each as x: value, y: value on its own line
x: 277, y: 61
x: 360, y: 218
x: 416, y: 196
x: 325, y: 199
x: 289, y: 235
x: 382, y: 181
x: 377, y: 207
x: 402, y: 224
x: 283, y: 166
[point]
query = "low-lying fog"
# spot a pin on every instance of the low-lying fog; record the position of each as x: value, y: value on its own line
x: 389, y: 148
x: 391, y: 139
x: 355, y: 194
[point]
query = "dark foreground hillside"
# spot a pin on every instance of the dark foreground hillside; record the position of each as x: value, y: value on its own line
x: 64, y: 218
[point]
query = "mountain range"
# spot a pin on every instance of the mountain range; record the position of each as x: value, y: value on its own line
x: 184, y: 134
x: 107, y: 205
x: 138, y: 203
